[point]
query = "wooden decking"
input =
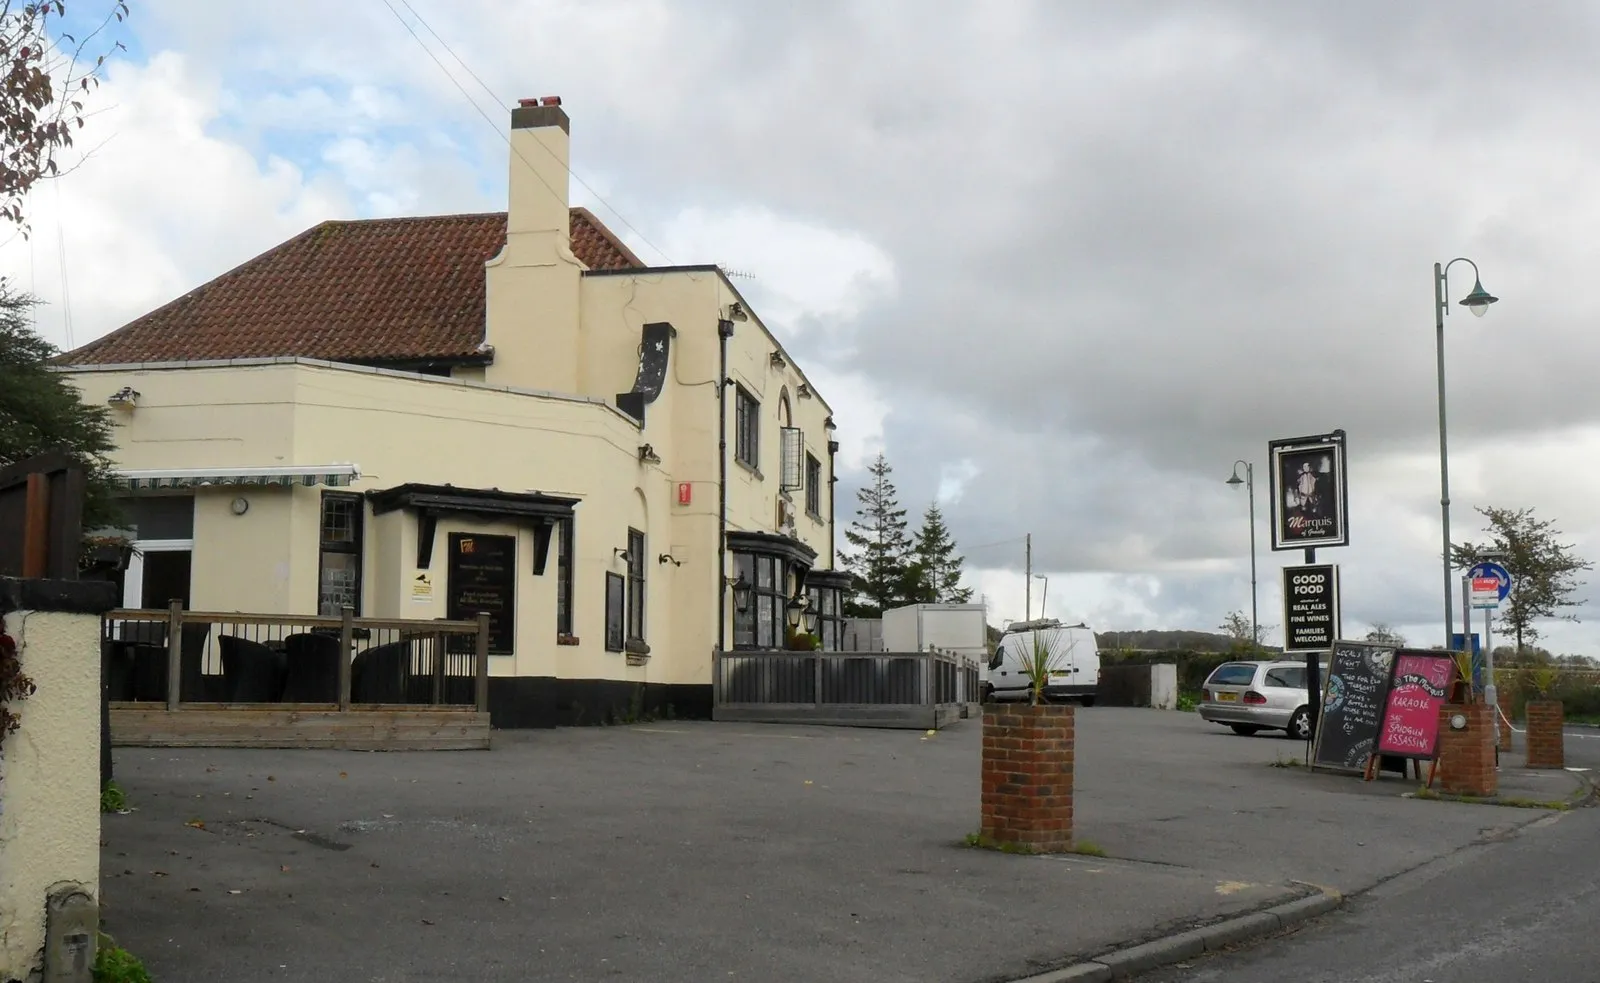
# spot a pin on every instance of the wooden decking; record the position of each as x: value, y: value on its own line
x: 361, y: 728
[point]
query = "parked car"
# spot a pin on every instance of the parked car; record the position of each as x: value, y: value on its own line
x: 1254, y: 696
x: 1074, y: 662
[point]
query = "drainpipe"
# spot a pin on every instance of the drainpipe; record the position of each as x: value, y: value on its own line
x: 833, y: 483
x: 724, y: 332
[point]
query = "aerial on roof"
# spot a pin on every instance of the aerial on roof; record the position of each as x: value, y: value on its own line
x: 388, y: 290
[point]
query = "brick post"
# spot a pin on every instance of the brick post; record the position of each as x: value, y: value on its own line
x: 1546, y: 743
x: 1506, y: 698
x: 1466, y: 756
x: 1027, y: 776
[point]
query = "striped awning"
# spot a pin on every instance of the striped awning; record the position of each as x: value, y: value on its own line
x: 332, y: 475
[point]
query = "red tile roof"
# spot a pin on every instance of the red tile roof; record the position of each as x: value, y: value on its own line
x: 375, y: 290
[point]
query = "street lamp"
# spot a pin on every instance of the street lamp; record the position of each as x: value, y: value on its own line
x: 1045, y: 597
x: 1477, y: 302
x: 1249, y: 481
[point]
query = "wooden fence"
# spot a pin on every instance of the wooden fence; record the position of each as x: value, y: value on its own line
x: 41, y: 517
x: 196, y: 678
x: 877, y: 689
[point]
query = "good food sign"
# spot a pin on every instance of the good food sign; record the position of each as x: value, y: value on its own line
x: 1307, y: 482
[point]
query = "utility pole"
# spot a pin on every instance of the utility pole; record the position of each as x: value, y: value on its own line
x: 1027, y: 563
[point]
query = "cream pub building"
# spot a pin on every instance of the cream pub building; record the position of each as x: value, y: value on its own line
x: 426, y: 417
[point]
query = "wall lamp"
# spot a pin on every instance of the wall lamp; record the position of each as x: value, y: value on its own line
x: 804, y: 392
x: 619, y: 552
x: 778, y: 361
x: 736, y: 312
x: 741, y: 592
x: 648, y: 455
x: 669, y: 558
x: 125, y: 398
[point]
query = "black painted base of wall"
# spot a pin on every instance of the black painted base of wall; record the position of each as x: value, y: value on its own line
x: 517, y: 702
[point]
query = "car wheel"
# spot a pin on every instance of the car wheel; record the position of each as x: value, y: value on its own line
x: 1300, y: 725
x: 1087, y: 701
x: 1244, y: 730
x: 986, y: 695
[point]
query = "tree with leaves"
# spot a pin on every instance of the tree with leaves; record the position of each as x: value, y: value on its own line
x: 1383, y: 633
x: 41, y: 411
x: 45, y: 76
x: 1544, y: 570
x: 879, y: 556
x: 934, y: 574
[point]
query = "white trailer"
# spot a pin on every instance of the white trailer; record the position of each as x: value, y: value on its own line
x: 959, y: 628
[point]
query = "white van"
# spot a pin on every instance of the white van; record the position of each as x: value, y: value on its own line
x: 1074, y: 662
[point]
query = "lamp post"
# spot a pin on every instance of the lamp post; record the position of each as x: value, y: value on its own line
x: 1477, y: 302
x: 1249, y: 481
x: 1045, y: 597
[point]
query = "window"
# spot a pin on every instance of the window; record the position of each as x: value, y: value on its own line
x: 747, y: 429
x: 826, y: 605
x: 1289, y: 678
x: 813, y: 486
x: 564, y: 578
x: 1233, y: 674
x: 614, y: 611
x: 759, y: 615
x: 636, y: 584
x: 339, y: 572
x: 791, y: 448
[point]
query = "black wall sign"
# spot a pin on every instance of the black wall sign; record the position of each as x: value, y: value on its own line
x: 1352, y: 705
x: 1306, y: 476
x: 483, y: 577
x: 1310, y: 608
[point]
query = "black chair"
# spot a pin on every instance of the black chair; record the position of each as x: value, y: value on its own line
x: 382, y: 674
x: 251, y: 672
x: 192, y: 687
x: 312, y: 668
x: 118, y: 658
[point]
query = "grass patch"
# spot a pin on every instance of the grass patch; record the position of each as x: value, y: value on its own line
x: 113, y: 798
x: 1286, y: 763
x: 978, y: 841
x: 1429, y: 795
x: 114, y: 964
x: 1188, y: 701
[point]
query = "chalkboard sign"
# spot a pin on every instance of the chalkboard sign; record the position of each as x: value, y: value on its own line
x: 1352, y: 705
x: 483, y: 578
x: 1418, y: 684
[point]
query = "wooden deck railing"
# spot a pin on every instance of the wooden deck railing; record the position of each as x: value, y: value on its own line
x: 884, y: 689
x: 192, y: 657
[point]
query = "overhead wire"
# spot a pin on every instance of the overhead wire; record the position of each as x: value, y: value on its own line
x: 497, y: 128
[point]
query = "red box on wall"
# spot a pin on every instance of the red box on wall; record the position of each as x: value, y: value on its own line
x: 685, y: 492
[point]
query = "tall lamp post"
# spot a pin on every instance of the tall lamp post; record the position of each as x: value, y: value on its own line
x: 1477, y: 302
x: 1249, y: 481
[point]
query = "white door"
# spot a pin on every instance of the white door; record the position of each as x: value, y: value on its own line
x: 157, y: 572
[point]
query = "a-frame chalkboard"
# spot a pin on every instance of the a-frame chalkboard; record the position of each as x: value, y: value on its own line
x: 1352, y: 705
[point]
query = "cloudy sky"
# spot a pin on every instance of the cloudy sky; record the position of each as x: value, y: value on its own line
x: 1063, y: 263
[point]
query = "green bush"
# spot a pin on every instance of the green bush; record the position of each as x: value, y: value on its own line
x: 114, y: 964
x: 112, y: 798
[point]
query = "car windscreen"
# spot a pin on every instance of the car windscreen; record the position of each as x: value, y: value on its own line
x: 1233, y: 674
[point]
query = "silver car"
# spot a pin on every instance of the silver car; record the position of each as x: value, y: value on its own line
x: 1256, y: 696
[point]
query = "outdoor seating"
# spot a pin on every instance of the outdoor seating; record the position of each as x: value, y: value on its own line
x: 312, y: 668
x: 251, y: 672
x: 381, y: 674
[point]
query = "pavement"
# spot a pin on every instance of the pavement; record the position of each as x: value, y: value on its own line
x: 695, y: 851
x: 1504, y: 912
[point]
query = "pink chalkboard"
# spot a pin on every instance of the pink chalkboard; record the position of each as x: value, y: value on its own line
x: 1418, y: 684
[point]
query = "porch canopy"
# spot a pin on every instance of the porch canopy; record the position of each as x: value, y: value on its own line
x: 332, y: 475
x: 534, y: 510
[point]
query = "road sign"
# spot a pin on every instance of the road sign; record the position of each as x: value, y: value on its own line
x: 1498, y: 572
x: 1310, y: 608
x: 1485, y: 593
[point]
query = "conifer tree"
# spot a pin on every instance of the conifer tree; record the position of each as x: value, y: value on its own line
x: 879, y: 555
x: 935, y: 571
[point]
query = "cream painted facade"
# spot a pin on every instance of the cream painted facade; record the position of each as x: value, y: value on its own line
x: 549, y: 417
x: 49, y: 782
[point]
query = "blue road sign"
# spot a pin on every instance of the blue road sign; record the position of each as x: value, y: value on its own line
x: 1495, y: 570
x: 1458, y: 644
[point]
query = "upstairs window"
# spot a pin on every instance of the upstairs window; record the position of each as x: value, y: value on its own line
x: 813, y: 486
x: 791, y: 446
x: 636, y: 594
x: 747, y: 428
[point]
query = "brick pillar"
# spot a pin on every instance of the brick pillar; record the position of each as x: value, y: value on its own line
x: 1027, y: 776
x: 1546, y: 742
x: 1506, y: 699
x: 1466, y: 756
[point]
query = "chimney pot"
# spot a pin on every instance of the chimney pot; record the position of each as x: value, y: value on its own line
x: 527, y: 103
x: 550, y: 101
